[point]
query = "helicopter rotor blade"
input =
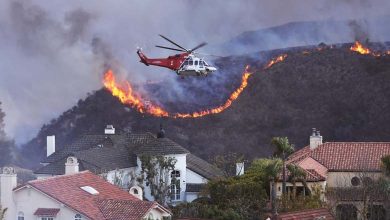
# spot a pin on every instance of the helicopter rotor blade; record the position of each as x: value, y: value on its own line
x: 170, y: 48
x: 206, y: 54
x: 199, y: 46
x: 177, y: 45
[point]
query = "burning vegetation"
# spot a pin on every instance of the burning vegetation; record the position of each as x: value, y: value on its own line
x: 124, y: 92
x: 275, y: 60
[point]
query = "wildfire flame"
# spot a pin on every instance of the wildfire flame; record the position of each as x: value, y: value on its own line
x: 275, y: 60
x: 358, y: 47
x: 124, y: 92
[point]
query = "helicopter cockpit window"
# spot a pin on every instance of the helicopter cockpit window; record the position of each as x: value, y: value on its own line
x: 190, y: 63
x: 201, y: 63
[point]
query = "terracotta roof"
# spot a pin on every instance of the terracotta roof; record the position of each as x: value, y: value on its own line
x: 126, y: 210
x: 46, y: 212
x: 346, y: 156
x: 66, y: 189
x: 311, y: 175
x: 310, y: 214
x: 351, y: 156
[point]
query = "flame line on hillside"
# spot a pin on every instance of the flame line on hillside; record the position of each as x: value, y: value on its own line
x: 124, y: 92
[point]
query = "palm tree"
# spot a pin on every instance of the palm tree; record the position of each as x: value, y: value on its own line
x: 283, y: 150
x: 296, y: 174
x: 272, y: 171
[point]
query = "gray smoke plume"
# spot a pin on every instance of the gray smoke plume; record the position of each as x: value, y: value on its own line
x: 54, y: 52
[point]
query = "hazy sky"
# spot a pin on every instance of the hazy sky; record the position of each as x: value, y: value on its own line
x: 52, y: 52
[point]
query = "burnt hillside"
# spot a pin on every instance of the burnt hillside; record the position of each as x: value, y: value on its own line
x: 344, y: 94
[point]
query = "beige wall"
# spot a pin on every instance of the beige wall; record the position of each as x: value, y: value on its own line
x: 28, y: 200
x: 343, y: 179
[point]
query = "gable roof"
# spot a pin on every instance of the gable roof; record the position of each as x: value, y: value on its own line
x: 161, y: 146
x: 102, y: 153
x: 126, y: 210
x: 202, y: 167
x: 66, y: 189
x: 346, y: 156
x: 88, y: 141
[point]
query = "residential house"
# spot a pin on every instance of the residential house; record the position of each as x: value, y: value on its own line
x: 78, y: 196
x: 346, y: 173
x: 117, y: 157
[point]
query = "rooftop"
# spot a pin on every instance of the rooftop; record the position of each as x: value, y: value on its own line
x: 67, y: 190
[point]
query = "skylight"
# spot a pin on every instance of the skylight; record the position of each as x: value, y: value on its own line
x: 90, y: 190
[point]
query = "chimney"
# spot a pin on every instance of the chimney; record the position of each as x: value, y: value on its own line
x: 161, y: 133
x: 315, y: 139
x: 109, y: 130
x: 8, y: 181
x: 50, y: 145
x: 136, y: 191
x: 239, y: 169
x: 71, y: 165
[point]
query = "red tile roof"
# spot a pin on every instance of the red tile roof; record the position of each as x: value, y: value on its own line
x: 310, y: 214
x: 124, y: 210
x: 346, y: 156
x: 46, y: 212
x: 66, y: 189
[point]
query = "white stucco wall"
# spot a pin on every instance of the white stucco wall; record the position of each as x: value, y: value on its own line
x: 126, y: 176
x: 180, y: 165
x: 28, y: 200
x: 193, y: 177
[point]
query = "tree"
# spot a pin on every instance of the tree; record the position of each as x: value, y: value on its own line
x: 283, y: 150
x: 2, y: 212
x: 6, y: 145
x: 227, y: 163
x: 296, y: 174
x: 156, y: 171
x: 272, y: 170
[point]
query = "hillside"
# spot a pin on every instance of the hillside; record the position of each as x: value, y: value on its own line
x: 344, y: 94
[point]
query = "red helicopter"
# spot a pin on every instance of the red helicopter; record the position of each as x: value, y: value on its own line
x: 184, y: 64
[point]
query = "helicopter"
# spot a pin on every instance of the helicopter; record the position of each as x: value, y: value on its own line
x: 184, y: 64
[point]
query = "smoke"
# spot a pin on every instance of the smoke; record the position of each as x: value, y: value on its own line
x: 54, y: 52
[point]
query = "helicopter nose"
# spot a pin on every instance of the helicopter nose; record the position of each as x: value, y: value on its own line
x: 211, y: 69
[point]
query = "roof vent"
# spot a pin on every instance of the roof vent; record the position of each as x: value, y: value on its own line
x: 109, y: 129
x: 90, y: 190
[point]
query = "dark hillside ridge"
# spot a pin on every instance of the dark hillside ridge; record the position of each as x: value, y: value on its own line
x: 344, y: 94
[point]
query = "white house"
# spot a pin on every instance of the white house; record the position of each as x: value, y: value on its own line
x: 117, y: 157
x: 78, y: 196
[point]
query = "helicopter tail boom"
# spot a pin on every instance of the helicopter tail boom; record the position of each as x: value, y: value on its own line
x: 143, y: 58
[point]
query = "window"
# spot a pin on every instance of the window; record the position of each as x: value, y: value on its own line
x: 196, y: 62
x: 175, y: 185
x: 201, y: 64
x: 78, y: 217
x: 175, y: 174
x: 20, y: 216
x: 355, y: 181
x: 46, y: 218
x: 190, y: 62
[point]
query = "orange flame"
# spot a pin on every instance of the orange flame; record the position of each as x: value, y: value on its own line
x: 358, y: 47
x: 275, y: 60
x: 125, y: 94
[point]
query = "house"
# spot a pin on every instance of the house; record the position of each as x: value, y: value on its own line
x: 117, y: 157
x: 346, y: 172
x: 77, y: 196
